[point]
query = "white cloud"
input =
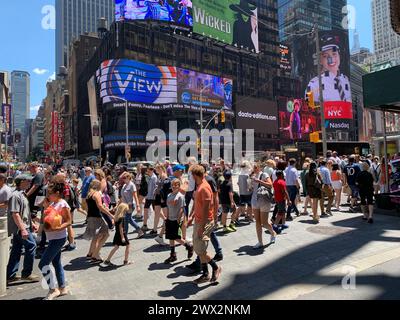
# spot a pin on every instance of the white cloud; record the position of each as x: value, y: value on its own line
x: 40, y: 71
x: 52, y: 77
x: 34, y: 110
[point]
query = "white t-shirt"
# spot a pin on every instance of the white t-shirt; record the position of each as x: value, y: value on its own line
x: 192, y: 182
x: 55, y: 235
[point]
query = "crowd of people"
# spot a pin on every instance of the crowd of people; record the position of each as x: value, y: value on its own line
x: 41, y: 209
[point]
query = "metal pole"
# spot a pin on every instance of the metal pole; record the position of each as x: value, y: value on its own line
x: 321, y: 93
x: 101, y: 138
x: 201, y: 125
x: 385, y: 147
x: 4, y: 247
x: 127, y: 130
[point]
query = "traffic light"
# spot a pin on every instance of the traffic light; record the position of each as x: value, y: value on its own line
x: 223, y: 117
x: 310, y: 100
x: 315, y: 137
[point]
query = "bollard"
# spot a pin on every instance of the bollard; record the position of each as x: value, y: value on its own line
x: 3, y: 262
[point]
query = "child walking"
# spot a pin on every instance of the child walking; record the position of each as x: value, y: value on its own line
x: 120, y: 237
x: 281, y: 196
x: 175, y: 211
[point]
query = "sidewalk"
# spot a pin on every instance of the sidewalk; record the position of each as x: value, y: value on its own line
x: 305, y: 259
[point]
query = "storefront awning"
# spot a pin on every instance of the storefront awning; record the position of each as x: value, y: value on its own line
x: 382, y: 90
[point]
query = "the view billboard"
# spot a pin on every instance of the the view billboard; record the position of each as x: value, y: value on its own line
x: 258, y: 114
x: 335, y: 66
x: 234, y: 22
x: 161, y: 87
x: 174, y: 11
x: 297, y: 121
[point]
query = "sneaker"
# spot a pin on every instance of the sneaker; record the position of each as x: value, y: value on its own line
x: 218, y: 257
x: 371, y: 221
x: 284, y: 227
x: 273, y: 240
x: 153, y: 232
x: 140, y: 234
x: 233, y: 227
x: 203, y: 279
x: 71, y: 247
x: 351, y: 209
x: 228, y: 230
x: 364, y: 218
x: 216, y: 274
x: 237, y: 223
x: 289, y: 218
x: 190, y: 251
x: 145, y: 228
x: 258, y: 246
x: 31, y: 278
x: 305, y: 213
x: 171, y: 259
x: 160, y: 241
x: 329, y: 213
x: 324, y: 215
x: 277, y: 229
x: 13, y: 279
x: 316, y: 221
x: 194, y: 267
x: 64, y: 292
x: 52, y: 295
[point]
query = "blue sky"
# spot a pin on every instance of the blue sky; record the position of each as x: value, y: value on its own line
x: 26, y: 45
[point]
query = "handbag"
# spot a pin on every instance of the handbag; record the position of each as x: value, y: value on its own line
x: 265, y: 193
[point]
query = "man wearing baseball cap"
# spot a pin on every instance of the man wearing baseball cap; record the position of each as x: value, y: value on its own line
x: 336, y: 85
x: 20, y: 227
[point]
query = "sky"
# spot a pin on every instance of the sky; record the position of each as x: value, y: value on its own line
x: 28, y: 40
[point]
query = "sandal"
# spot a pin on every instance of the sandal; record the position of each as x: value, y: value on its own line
x: 89, y: 257
x: 97, y: 260
x: 128, y: 263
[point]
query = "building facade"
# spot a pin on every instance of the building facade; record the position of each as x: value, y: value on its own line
x: 20, y: 101
x: 74, y: 18
x: 158, y: 44
x: 386, y: 40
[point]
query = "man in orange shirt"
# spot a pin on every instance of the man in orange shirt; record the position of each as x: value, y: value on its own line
x: 203, y: 225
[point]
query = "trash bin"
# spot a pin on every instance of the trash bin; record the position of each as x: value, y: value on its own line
x: 3, y: 261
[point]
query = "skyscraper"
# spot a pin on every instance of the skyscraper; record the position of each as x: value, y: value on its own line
x: 74, y: 18
x: 20, y: 100
x: 299, y: 16
x: 386, y: 41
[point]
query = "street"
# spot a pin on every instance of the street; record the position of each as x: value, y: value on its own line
x: 307, y: 262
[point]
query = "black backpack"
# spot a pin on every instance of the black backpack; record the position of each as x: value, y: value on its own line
x: 73, y: 199
x: 111, y: 193
x: 143, y: 186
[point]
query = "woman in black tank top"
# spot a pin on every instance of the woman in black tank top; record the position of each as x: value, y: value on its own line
x: 97, y: 230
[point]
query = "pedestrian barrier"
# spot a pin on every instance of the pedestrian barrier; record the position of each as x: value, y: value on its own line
x: 3, y: 261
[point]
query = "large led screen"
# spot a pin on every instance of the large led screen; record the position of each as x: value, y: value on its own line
x: 173, y: 11
x: 152, y: 85
x: 234, y: 22
x: 335, y: 74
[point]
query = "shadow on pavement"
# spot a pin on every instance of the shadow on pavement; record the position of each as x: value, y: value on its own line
x: 181, y: 272
x: 163, y: 266
x: 306, y: 261
x: 81, y: 263
x: 249, y: 251
x: 183, y: 290
x: 156, y: 248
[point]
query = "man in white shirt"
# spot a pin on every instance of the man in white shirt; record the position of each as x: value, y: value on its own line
x: 293, y: 187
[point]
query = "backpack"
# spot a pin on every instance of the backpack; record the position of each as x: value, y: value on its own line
x: 73, y: 199
x: 143, y: 186
x: 318, y: 183
x: 376, y: 174
x: 265, y: 193
x: 111, y: 193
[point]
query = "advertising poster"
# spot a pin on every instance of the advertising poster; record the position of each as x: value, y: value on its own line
x: 94, y: 117
x: 213, y: 91
x: 6, y: 114
x: 54, y: 131
x: 230, y: 21
x: 174, y: 11
x: 286, y: 59
x: 258, y: 114
x: 297, y: 121
x: 335, y: 66
x: 154, y: 86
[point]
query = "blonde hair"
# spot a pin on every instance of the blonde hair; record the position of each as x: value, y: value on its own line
x: 100, y: 173
x: 271, y: 163
x: 95, y: 186
x: 121, y: 211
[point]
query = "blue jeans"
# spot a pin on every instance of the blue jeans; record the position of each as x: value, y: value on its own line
x: 130, y: 221
x: 292, y: 190
x: 15, y: 256
x: 216, y: 244
x: 52, y: 255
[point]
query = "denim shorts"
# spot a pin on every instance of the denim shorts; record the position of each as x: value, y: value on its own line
x: 354, y: 191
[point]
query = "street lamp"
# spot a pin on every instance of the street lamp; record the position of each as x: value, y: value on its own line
x: 126, y: 125
x: 201, y: 118
x: 99, y: 121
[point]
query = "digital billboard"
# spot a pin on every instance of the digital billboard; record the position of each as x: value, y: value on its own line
x: 234, y: 22
x: 335, y: 73
x: 285, y: 61
x: 297, y: 121
x: 258, y: 114
x: 161, y: 87
x: 174, y: 11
